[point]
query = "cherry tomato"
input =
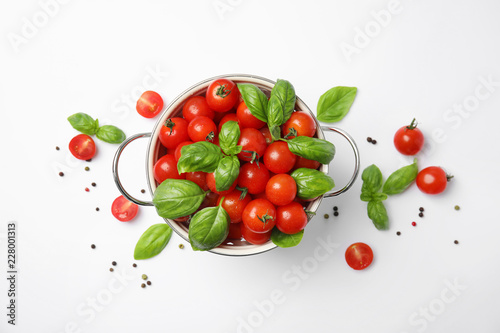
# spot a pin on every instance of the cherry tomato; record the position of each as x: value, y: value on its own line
x: 173, y: 132
x: 291, y: 218
x: 212, y: 186
x: 166, y: 168
x: 199, y: 178
x: 177, y: 152
x: 219, y: 115
x: 408, y: 140
x: 254, y: 177
x: 149, y: 104
x: 259, y: 215
x: 253, y: 144
x: 222, y: 95
x: 197, y: 106
x: 267, y: 135
x: 278, y: 158
x: 302, y: 122
x: 202, y: 128
x: 234, y: 231
x: 247, y: 119
x: 182, y: 219
x: 123, y: 209
x: 210, y: 200
x: 432, y: 180
x: 228, y: 117
x: 302, y: 162
x: 82, y: 147
x: 254, y: 237
x: 359, y: 256
x: 234, y: 206
x: 281, y: 189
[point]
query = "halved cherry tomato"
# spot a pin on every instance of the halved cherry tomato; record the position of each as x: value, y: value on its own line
x: 254, y: 177
x: 291, y: 218
x: 408, y: 140
x: 281, y: 189
x: 259, y: 215
x: 222, y: 95
x: 202, y: 128
x: 359, y: 256
x: 432, y: 180
x: 166, y: 168
x: 149, y: 104
x: 253, y: 144
x: 124, y: 210
x: 247, y: 119
x: 234, y: 205
x: 302, y: 122
x: 278, y: 158
x: 173, y: 132
x: 254, y: 238
x: 197, y: 106
x: 82, y: 147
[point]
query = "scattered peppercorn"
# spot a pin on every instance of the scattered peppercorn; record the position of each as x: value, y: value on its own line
x: 144, y: 277
x: 414, y: 224
x: 111, y: 269
x: 87, y: 189
x: 421, y: 209
x: 398, y: 233
x: 335, y: 208
x: 57, y: 148
x: 456, y: 242
x: 143, y: 285
x: 457, y: 207
x: 97, y: 208
x: 149, y: 283
x: 113, y: 263
x: 335, y: 213
x: 326, y: 216
x: 61, y: 174
x: 374, y: 142
x: 181, y: 246
x: 369, y: 139
x: 134, y: 265
x: 143, y: 191
x: 87, y: 168
x: 92, y: 246
x: 94, y: 184
x: 421, y: 214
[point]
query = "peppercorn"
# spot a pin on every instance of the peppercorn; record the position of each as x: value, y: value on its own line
x: 134, y: 265
x: 456, y: 242
x: 144, y: 277
x: 111, y: 269
x: 57, y: 148
x: 61, y: 174
x: 335, y: 208
x: 113, y: 263
x: 94, y: 184
x: 326, y: 216
x: 181, y: 246
x: 421, y: 214
x: 92, y: 246
x: 87, y: 189
x: 369, y: 139
x: 143, y: 285
x: 87, y: 168
x: 149, y: 283
x: 457, y: 207
x: 414, y: 224
x: 97, y: 208
x: 398, y: 233
x: 374, y: 142
x: 335, y: 213
x: 421, y: 209
x: 143, y: 191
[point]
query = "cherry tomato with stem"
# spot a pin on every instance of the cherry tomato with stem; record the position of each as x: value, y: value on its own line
x: 166, y: 168
x: 267, y: 135
x: 259, y: 215
x: 291, y: 218
x: 222, y: 95
x: 408, y: 140
x: 359, y: 256
x: 124, y: 210
x: 173, y: 132
x: 281, y: 189
x: 432, y: 180
x: 82, y: 147
x: 278, y: 158
x: 197, y: 106
x: 202, y: 128
x: 253, y: 145
x: 234, y: 204
x: 253, y: 177
x: 303, y: 124
x: 149, y: 104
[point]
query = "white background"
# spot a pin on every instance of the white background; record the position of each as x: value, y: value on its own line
x: 91, y: 56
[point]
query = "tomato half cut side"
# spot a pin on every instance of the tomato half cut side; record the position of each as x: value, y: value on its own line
x: 124, y: 210
x: 82, y: 147
x: 359, y: 256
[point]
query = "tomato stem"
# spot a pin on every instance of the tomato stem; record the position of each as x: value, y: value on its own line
x: 244, y: 192
x: 170, y: 124
x: 255, y: 156
x: 265, y: 217
x: 292, y: 132
x: 449, y: 177
x: 413, y: 124
x: 210, y: 136
x: 222, y: 92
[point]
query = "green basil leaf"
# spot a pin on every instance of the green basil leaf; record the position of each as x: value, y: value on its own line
x: 84, y: 123
x: 285, y: 240
x: 334, y: 104
x: 372, y: 179
x: 152, y: 241
x: 177, y: 198
x: 282, y: 102
x: 312, y: 148
x: 255, y: 100
x: 400, y: 179
x: 226, y: 173
x: 229, y: 136
x: 199, y: 156
x: 110, y: 134
x: 378, y: 214
x: 311, y: 183
x: 208, y: 228
x: 379, y: 196
x: 235, y: 150
x: 366, y: 196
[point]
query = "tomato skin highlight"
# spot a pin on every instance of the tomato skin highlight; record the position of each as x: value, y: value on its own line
x: 432, y: 180
x: 170, y: 138
x: 254, y: 177
x: 256, y: 212
x: 202, y: 128
x: 149, y: 104
x: 278, y: 158
x: 124, y: 210
x: 197, y: 106
x: 359, y: 256
x: 302, y: 122
x: 409, y: 140
x: 291, y: 218
x: 222, y: 95
x: 82, y: 147
x: 166, y: 168
x: 281, y: 189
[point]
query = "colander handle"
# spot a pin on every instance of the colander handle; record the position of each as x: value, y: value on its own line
x: 116, y: 159
x: 356, y: 160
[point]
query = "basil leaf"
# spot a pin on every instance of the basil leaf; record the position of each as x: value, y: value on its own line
x: 110, y: 134
x: 199, y: 156
x: 84, y: 123
x: 334, y: 104
x: 177, y: 198
x: 226, y: 173
x: 312, y: 148
x: 152, y: 241
x: 400, y: 179
x: 378, y: 214
x: 372, y: 179
x: 285, y: 240
x: 366, y: 196
x: 379, y: 196
x: 282, y: 99
x: 255, y: 100
x: 208, y: 228
x: 311, y: 183
x: 229, y: 136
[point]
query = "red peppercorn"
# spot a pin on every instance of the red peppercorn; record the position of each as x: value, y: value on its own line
x: 414, y: 224
x: 87, y: 189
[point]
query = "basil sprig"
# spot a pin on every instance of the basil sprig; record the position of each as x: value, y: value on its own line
x: 255, y: 100
x: 209, y: 228
x: 372, y: 180
x: 312, y: 148
x: 152, y: 241
x: 228, y: 138
x: 372, y: 183
x: 175, y: 198
x: 311, y: 183
x: 280, y: 106
x: 334, y: 104
x: 285, y: 240
x: 378, y: 214
x: 226, y: 173
x: 85, y: 124
x: 199, y: 156
x: 400, y: 179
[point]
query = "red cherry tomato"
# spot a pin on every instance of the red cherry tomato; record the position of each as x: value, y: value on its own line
x: 281, y: 189
x: 254, y: 177
x: 302, y: 122
x: 197, y: 106
x: 199, y: 178
x: 234, y: 231
x: 82, y: 147
x: 222, y: 95
x: 291, y: 218
x: 278, y: 158
x: 202, y: 128
x: 432, y: 180
x: 210, y: 200
x: 253, y: 144
x: 123, y: 209
x: 267, y: 135
x: 177, y: 152
x: 259, y: 215
x: 302, y: 162
x: 149, y: 104
x: 359, y: 256
x: 408, y: 140
x: 254, y: 237
x: 228, y: 117
x: 182, y: 219
x: 166, y: 168
x: 247, y: 119
x: 173, y: 132
x: 234, y: 206
x: 212, y: 186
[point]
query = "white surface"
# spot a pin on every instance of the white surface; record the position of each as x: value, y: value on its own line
x: 92, y: 54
